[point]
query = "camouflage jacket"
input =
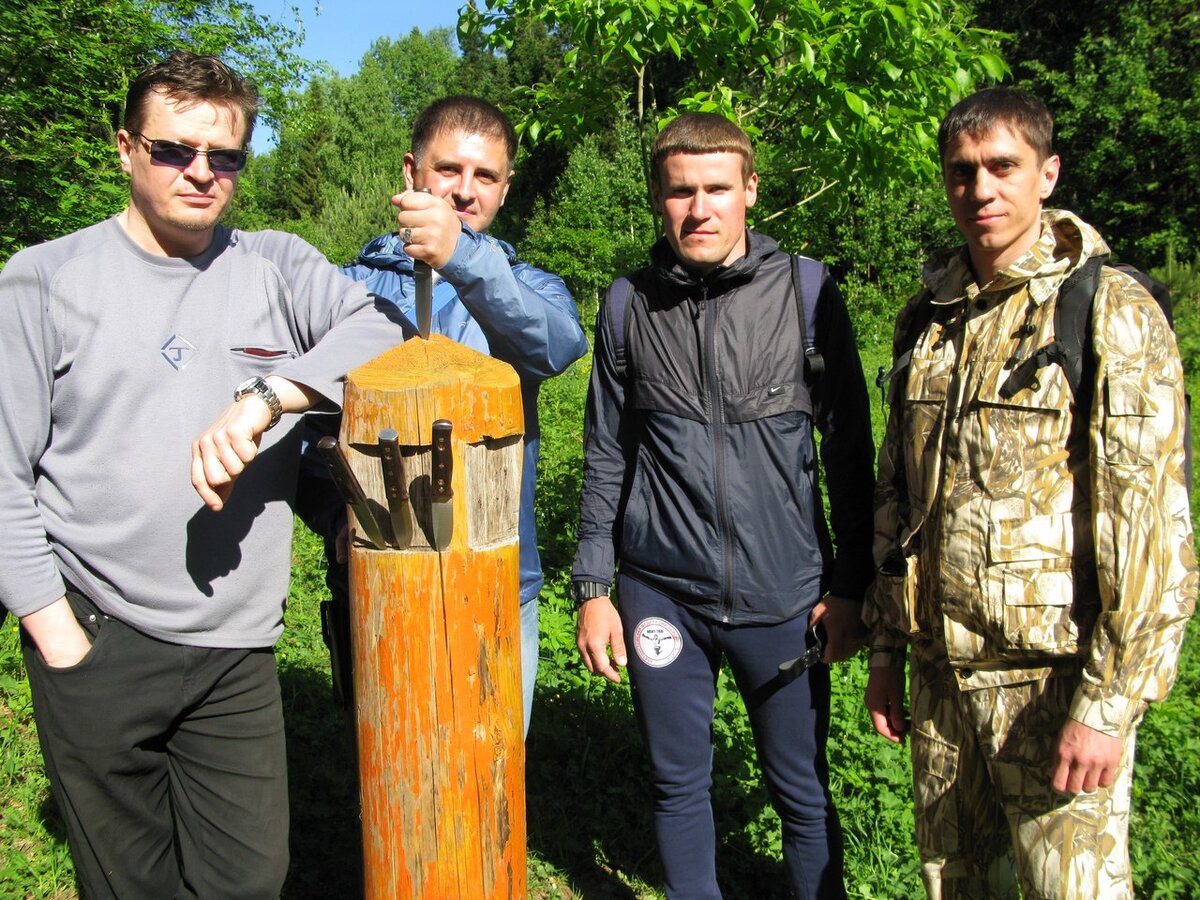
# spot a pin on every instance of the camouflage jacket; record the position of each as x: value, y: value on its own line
x: 1016, y: 538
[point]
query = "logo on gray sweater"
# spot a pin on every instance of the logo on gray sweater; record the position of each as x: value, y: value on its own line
x: 178, y: 352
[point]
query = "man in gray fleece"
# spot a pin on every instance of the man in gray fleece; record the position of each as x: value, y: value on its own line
x: 149, y: 613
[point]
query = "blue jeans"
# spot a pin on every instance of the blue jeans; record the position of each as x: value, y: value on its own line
x: 674, y: 657
x: 529, y: 655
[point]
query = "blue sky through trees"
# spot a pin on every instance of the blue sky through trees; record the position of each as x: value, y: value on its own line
x: 339, y: 32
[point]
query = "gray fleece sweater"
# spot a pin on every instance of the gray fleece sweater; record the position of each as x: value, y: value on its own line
x: 112, y: 361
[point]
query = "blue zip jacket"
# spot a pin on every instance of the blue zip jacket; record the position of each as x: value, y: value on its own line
x: 487, y: 300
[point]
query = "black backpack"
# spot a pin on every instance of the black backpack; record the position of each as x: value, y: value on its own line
x: 1071, y: 347
x: 807, y: 277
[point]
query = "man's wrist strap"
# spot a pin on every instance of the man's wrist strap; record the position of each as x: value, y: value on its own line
x: 582, y: 591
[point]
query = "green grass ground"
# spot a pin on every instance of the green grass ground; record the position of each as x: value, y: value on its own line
x: 590, y: 832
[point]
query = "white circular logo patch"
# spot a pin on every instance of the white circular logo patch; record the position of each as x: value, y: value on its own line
x: 657, y: 642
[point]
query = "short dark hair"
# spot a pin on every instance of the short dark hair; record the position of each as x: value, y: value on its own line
x: 190, y: 78
x: 985, y: 111
x: 701, y: 132
x: 463, y: 113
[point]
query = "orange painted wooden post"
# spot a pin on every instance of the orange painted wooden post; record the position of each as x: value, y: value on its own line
x: 436, y: 635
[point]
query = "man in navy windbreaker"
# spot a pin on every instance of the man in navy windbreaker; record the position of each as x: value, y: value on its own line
x: 702, y: 490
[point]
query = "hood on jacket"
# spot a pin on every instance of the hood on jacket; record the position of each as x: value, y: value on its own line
x: 1066, y: 243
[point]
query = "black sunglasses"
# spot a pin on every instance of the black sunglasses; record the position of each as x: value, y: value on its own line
x: 180, y: 156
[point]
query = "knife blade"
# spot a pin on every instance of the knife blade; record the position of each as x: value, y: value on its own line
x: 395, y: 486
x: 441, y: 492
x: 423, y: 275
x: 350, y: 489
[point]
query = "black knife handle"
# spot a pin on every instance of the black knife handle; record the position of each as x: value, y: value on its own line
x: 443, y: 461
x: 339, y: 468
x: 395, y: 485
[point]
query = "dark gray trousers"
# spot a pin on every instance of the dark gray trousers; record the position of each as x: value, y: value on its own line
x: 167, y: 762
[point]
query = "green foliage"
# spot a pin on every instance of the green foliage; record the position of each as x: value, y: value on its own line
x: 1183, y: 280
x: 341, y: 148
x: 843, y: 100
x: 589, y: 814
x: 1165, y: 815
x: 349, y: 218
x: 66, y: 67
x: 374, y: 108
x: 34, y: 861
x: 876, y: 244
x: 1181, y: 277
x: 560, y: 469
x: 1123, y: 83
x: 534, y: 54
x: 846, y: 94
x: 597, y: 223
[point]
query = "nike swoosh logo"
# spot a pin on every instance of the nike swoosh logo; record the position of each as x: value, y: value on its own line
x: 773, y: 391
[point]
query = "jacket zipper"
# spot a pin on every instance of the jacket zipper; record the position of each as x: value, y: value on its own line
x: 717, y: 417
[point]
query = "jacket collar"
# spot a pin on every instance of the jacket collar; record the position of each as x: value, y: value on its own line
x: 668, y: 269
x: 1066, y: 243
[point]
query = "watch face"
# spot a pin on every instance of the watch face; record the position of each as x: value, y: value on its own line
x: 259, y: 387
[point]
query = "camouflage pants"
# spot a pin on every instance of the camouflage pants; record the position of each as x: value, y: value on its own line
x: 986, y: 815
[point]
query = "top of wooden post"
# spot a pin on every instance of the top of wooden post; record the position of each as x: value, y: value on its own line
x: 413, y: 384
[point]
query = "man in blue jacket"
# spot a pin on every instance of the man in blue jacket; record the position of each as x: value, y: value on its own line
x: 456, y: 176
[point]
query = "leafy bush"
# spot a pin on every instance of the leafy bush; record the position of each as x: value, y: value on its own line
x: 34, y: 861
x: 875, y: 243
x: 597, y: 224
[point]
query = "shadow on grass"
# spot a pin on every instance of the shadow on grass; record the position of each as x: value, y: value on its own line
x: 589, y: 801
x: 326, y: 834
x: 588, y: 808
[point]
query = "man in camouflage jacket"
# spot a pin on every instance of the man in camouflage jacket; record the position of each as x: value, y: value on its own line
x: 1035, y: 548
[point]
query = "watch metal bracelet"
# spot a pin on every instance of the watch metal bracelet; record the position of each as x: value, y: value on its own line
x: 259, y: 387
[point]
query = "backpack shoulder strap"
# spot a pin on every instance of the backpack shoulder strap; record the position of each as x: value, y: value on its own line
x: 807, y: 277
x: 1155, y: 288
x: 1073, y: 319
x: 913, y: 320
x: 1073, y: 329
x: 617, y: 306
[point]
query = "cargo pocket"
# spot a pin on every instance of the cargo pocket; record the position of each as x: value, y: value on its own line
x: 924, y: 405
x: 1129, y: 437
x: 1038, y: 610
x: 896, y: 594
x: 935, y: 803
x: 1032, y: 572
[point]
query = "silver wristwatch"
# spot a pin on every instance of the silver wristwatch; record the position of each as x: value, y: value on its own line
x: 257, y: 385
